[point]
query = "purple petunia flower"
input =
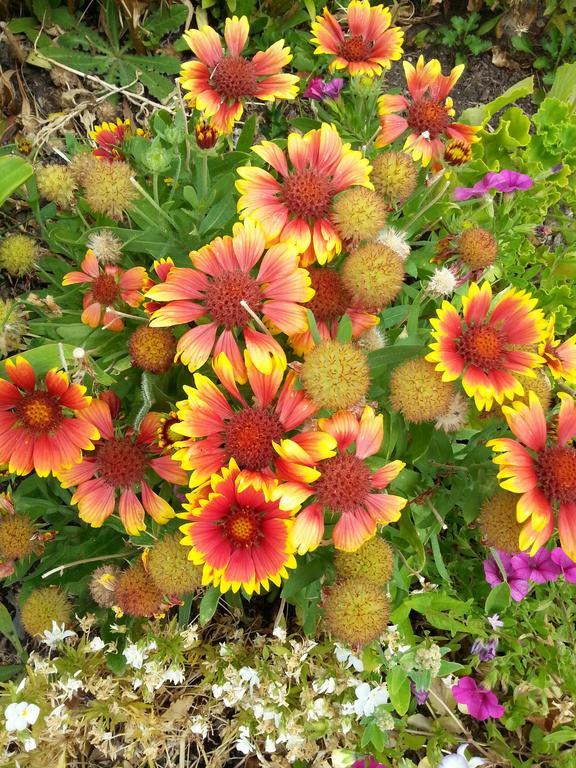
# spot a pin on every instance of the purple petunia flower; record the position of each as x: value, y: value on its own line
x: 516, y: 575
x: 540, y: 568
x: 485, y: 651
x: 368, y: 762
x: 480, y: 702
x: 420, y: 694
x: 565, y: 563
x: 319, y: 90
x: 505, y: 181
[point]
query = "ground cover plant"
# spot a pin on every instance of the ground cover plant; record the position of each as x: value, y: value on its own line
x: 287, y: 411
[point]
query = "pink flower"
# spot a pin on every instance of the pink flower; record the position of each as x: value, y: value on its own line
x: 480, y: 702
x: 565, y: 563
x: 540, y: 568
x: 319, y: 89
x: 516, y: 575
x: 368, y: 762
x: 505, y: 181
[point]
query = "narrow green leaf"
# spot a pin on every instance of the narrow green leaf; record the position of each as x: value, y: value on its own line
x: 9, y: 631
x: 246, y: 138
x: 14, y: 171
x: 208, y: 605
x: 305, y: 574
x: 313, y: 327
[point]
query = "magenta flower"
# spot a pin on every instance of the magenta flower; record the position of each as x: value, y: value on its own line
x: 516, y: 575
x: 540, y: 568
x: 505, y: 181
x: 368, y: 762
x: 320, y: 90
x: 480, y: 702
x: 565, y: 563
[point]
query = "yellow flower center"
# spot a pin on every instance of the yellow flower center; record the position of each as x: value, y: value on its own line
x: 39, y: 412
x: 234, y: 77
x: 120, y: 463
x: 307, y: 194
x: 556, y: 472
x: 241, y: 527
x: 428, y: 115
x: 344, y: 484
x: 249, y: 435
x: 355, y: 48
x: 224, y: 295
x: 482, y: 347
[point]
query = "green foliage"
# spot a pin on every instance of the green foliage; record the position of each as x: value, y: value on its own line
x: 554, y: 48
x: 464, y: 34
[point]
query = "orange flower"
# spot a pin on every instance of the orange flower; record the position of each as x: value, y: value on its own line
x: 40, y: 428
x: 560, y: 356
x: 233, y: 279
x: 124, y: 463
x: 296, y: 207
x: 370, y: 43
x: 109, y: 138
x: 482, y: 346
x: 541, y: 466
x: 218, y: 84
x: 109, y: 288
x: 429, y: 113
x: 330, y: 303
x: 239, y: 534
x: 246, y: 431
x: 343, y: 485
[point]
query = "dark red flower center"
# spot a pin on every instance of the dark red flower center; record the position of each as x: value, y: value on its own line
x: 224, y: 294
x: 556, y: 472
x: 242, y: 527
x: 248, y: 437
x: 428, y: 115
x: 331, y: 299
x: 344, y: 483
x: 482, y: 347
x: 120, y: 463
x: 105, y: 290
x: 234, y: 77
x: 39, y: 412
x: 307, y: 194
x: 355, y: 48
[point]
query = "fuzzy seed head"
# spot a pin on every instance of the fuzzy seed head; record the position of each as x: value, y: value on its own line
x: 356, y: 611
x: 56, y: 183
x: 108, y: 189
x: 12, y: 327
x: 171, y: 570
x: 374, y: 275
x: 498, y: 523
x: 16, y: 532
x: 418, y: 392
x: 81, y: 165
x: 374, y: 560
x: 456, y: 417
x: 42, y: 607
x: 372, y: 339
x: 103, y: 585
x: 396, y: 240
x: 136, y: 593
x: 394, y: 176
x: 477, y: 248
x: 335, y: 375
x: 358, y: 214
x: 106, y: 247
x: 152, y: 349
x: 18, y: 255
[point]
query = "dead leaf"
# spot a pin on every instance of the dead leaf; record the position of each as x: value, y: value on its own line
x: 500, y: 58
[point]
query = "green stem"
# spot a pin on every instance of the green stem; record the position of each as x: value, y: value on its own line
x: 155, y: 189
x: 153, y: 202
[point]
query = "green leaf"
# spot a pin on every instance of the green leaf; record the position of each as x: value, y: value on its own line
x: 564, y: 86
x: 306, y: 573
x: 218, y: 215
x: 208, y: 605
x: 246, y: 138
x: 561, y: 736
x: 42, y: 359
x: 481, y: 115
x: 498, y: 599
x: 381, y: 359
x: 399, y: 689
x: 9, y: 671
x: 14, y: 171
x: 313, y: 327
x: 8, y: 630
x: 344, y: 332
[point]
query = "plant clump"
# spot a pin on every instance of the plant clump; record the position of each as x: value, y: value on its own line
x: 374, y: 275
x: 418, y: 392
x: 18, y: 255
x: 136, y: 593
x: 374, y: 560
x: 498, y: 524
x: 44, y: 606
x: 56, y: 184
x: 355, y: 611
x: 335, y: 375
x: 171, y: 570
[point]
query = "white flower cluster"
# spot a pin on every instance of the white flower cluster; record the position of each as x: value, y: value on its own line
x: 155, y: 672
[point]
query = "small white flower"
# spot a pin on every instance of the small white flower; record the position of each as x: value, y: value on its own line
x: 459, y: 759
x: 343, y: 758
x: 52, y: 637
x: 20, y: 716
x: 71, y: 686
x: 326, y: 686
x: 217, y: 691
x: 494, y: 621
x: 243, y: 744
x: 199, y: 725
x: 442, y: 283
x: 134, y: 656
x: 279, y: 633
x: 96, y: 644
x: 346, y: 657
x: 174, y: 675
x: 269, y: 744
x: 367, y: 699
x: 29, y: 744
x: 151, y: 646
x: 250, y: 676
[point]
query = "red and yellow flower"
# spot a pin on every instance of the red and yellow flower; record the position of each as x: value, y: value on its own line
x: 233, y: 280
x: 428, y: 113
x: 342, y: 485
x: 219, y: 83
x: 40, y: 425
x: 559, y: 356
x: 483, y: 346
x: 541, y: 465
x: 295, y: 207
x: 110, y: 287
x: 245, y: 430
x: 238, y: 533
x: 370, y: 43
x: 109, y: 138
x: 330, y: 303
x: 120, y: 472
